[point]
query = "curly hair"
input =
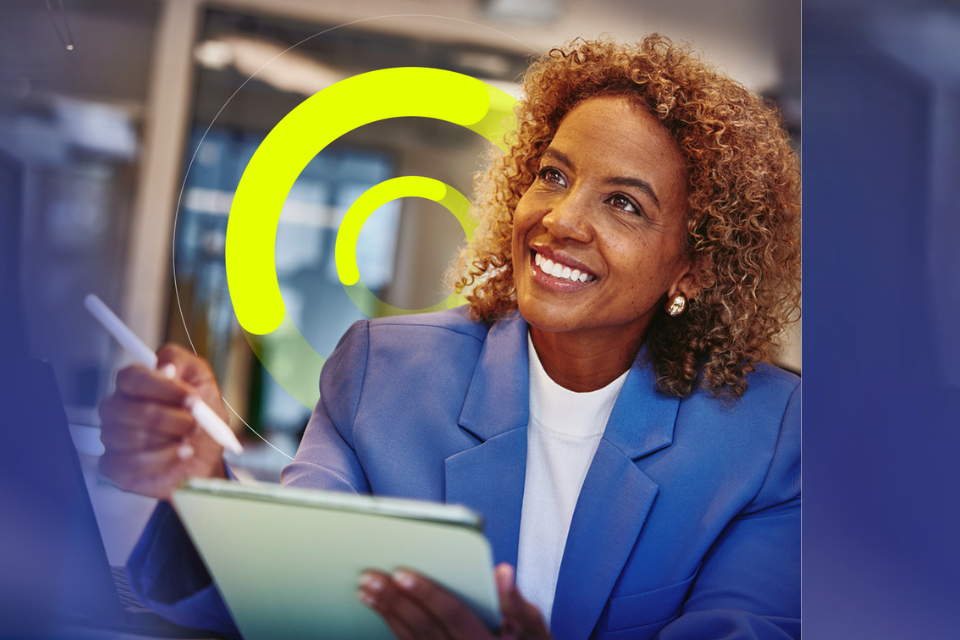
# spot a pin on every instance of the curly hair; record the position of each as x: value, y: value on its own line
x: 743, y: 200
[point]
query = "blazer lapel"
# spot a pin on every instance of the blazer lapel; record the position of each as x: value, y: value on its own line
x: 489, y: 477
x: 613, y: 504
x: 616, y: 496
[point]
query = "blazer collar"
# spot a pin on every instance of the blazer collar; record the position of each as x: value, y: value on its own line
x: 642, y: 420
x: 498, y: 399
x: 489, y: 477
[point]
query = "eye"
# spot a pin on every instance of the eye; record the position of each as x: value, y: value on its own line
x: 551, y: 175
x: 621, y: 201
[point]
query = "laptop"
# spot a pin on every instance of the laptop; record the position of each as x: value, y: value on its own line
x: 13, y: 336
x: 55, y: 578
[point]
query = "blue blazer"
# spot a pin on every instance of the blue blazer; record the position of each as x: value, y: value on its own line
x: 688, y: 522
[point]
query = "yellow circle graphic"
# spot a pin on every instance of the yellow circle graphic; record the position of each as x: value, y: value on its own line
x: 378, y: 195
x: 286, y: 151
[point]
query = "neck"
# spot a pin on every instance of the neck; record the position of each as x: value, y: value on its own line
x: 584, y: 361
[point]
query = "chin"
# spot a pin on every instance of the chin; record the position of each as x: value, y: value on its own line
x: 543, y: 319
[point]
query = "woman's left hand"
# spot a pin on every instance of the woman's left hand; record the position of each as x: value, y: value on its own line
x: 415, y: 607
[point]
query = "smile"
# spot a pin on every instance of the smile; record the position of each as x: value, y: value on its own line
x: 560, y: 271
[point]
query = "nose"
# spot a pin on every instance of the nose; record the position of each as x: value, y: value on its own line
x: 569, y: 219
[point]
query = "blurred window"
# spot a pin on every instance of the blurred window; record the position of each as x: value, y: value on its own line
x: 304, y: 254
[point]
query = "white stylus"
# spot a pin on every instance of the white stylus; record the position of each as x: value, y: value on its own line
x: 204, y: 415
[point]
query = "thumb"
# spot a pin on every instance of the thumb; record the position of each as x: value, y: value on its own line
x: 194, y: 372
x: 518, y: 614
x: 506, y: 586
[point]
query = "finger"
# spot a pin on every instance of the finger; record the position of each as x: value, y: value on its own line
x: 157, y: 474
x: 518, y: 614
x: 504, y: 576
x: 196, y: 372
x: 377, y: 593
x: 138, y: 382
x: 456, y: 618
x: 189, y: 367
x: 201, y: 456
x: 133, y: 440
x: 124, y: 420
x: 130, y: 470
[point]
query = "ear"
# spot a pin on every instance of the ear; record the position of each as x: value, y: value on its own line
x: 687, y: 282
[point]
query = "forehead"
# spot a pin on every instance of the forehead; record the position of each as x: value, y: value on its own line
x: 615, y: 134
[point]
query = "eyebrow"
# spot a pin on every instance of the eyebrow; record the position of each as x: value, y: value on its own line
x: 620, y: 181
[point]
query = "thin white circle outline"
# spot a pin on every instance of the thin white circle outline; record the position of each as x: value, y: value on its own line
x: 186, y: 174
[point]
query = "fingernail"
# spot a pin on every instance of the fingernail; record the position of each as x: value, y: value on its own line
x: 404, y: 578
x: 371, y: 581
x: 185, y: 451
x: 366, y: 598
x: 189, y: 401
x: 170, y: 371
x: 504, y: 577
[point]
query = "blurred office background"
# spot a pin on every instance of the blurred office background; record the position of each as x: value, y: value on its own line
x: 105, y: 133
x: 134, y: 141
x: 131, y: 144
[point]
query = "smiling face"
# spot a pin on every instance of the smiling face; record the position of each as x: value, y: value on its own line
x: 598, y: 238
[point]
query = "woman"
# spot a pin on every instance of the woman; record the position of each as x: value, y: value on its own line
x: 601, y: 401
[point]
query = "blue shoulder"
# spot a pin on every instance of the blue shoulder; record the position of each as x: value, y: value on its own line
x: 456, y: 320
x: 768, y: 375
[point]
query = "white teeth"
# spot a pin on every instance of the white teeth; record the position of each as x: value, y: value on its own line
x: 557, y: 270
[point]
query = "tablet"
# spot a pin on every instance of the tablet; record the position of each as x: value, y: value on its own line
x: 288, y: 561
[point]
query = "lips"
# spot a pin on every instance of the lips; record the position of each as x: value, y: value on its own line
x: 555, y: 267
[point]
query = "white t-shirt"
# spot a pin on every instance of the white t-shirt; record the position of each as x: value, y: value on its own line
x: 564, y: 432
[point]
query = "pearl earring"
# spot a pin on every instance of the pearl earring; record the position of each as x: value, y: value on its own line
x: 676, y: 304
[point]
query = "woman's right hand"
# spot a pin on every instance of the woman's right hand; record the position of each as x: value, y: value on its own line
x: 151, y: 440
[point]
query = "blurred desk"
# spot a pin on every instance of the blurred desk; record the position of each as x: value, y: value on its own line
x: 122, y: 515
x: 86, y: 633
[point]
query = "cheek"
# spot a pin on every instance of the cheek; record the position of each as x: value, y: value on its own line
x: 518, y: 252
x: 644, y: 279
x: 521, y: 214
x: 522, y: 223
x: 517, y: 241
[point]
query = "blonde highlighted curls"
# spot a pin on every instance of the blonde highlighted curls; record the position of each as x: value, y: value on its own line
x: 743, y: 203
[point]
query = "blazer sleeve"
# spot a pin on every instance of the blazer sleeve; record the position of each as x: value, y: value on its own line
x: 166, y: 571
x: 167, y: 574
x: 748, y: 586
x: 326, y: 458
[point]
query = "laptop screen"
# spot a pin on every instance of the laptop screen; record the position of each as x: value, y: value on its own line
x: 13, y: 341
x: 52, y: 560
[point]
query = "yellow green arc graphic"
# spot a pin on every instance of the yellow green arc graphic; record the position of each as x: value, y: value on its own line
x: 278, y: 162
